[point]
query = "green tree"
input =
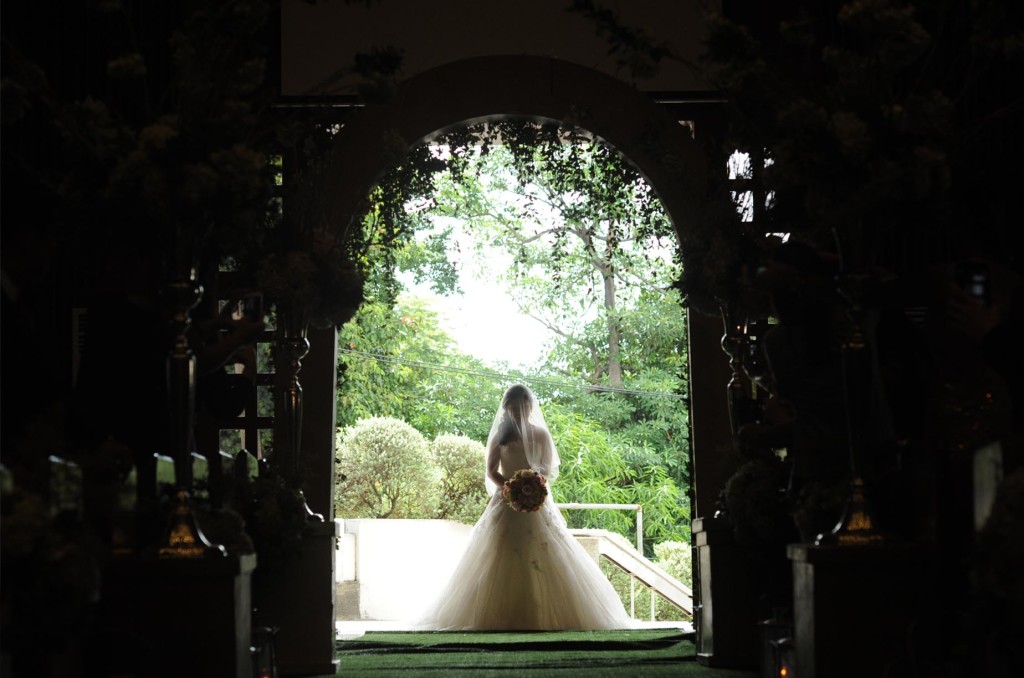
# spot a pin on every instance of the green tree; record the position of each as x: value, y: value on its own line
x: 651, y: 415
x: 587, y: 235
x: 396, y: 361
x: 676, y: 558
x: 588, y: 254
x: 384, y: 470
x: 594, y: 261
x: 596, y: 470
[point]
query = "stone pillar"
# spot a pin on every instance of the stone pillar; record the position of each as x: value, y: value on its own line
x: 853, y: 607
x: 174, y: 617
x: 726, y: 621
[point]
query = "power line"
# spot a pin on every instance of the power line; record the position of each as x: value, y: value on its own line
x: 437, y: 367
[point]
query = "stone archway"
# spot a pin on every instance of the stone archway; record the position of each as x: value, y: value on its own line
x: 521, y: 87
x: 530, y: 87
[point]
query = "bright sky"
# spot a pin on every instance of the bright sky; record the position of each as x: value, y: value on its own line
x: 486, y: 323
x: 484, y: 320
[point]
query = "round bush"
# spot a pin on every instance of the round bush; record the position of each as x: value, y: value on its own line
x: 461, y: 460
x: 384, y: 470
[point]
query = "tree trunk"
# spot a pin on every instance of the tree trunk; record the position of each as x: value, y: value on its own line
x: 614, y: 362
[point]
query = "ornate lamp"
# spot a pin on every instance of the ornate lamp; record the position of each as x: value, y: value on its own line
x: 857, y: 526
x: 184, y: 538
x: 295, y: 346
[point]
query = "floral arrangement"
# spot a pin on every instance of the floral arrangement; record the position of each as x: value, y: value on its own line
x: 309, y: 267
x: 274, y: 513
x: 171, y: 146
x: 322, y: 282
x: 525, y: 491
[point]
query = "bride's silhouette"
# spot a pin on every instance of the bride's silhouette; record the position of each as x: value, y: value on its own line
x: 524, y: 570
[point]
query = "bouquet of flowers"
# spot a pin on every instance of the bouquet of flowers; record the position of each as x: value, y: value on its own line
x: 525, y: 490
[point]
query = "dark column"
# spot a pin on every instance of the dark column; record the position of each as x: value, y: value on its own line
x: 709, y: 410
x: 319, y: 382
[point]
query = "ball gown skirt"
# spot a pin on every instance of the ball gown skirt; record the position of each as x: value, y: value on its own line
x: 525, y: 571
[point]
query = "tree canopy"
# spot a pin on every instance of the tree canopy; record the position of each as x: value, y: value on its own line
x: 590, y: 255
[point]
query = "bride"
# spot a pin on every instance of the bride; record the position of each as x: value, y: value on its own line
x: 524, y: 570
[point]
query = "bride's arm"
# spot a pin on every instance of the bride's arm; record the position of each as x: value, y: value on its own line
x: 493, y: 462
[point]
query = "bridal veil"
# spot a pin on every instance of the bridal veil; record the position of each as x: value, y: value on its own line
x: 519, y: 417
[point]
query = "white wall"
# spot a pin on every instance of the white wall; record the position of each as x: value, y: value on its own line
x: 400, y: 564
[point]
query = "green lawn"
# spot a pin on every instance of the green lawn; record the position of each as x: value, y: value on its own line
x: 595, y: 654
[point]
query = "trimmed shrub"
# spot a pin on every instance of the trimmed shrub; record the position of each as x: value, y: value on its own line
x: 675, y: 557
x: 384, y: 470
x: 461, y: 492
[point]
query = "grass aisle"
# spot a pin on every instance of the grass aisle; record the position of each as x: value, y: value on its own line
x: 595, y: 654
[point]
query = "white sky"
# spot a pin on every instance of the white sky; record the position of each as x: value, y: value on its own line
x: 484, y: 322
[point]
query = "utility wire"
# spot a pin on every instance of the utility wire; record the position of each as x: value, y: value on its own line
x: 437, y: 367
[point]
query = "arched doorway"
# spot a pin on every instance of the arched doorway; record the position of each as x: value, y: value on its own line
x: 524, y: 87
x: 530, y: 87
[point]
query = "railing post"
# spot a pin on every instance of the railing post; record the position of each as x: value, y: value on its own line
x: 640, y: 529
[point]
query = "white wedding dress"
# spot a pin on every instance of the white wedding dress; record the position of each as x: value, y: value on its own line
x: 524, y: 571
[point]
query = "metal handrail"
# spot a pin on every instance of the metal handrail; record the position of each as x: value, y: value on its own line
x: 622, y: 507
